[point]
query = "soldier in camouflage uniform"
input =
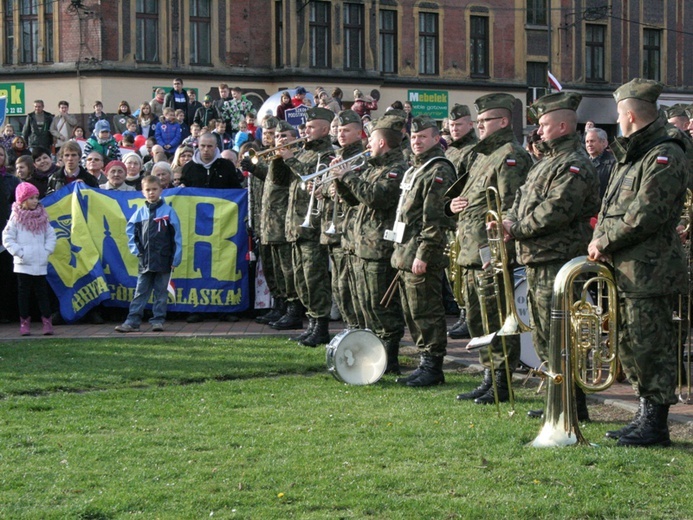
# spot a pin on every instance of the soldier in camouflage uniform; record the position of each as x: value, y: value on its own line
x: 461, y: 154
x: 502, y: 163
x: 309, y: 257
x: 420, y: 238
x: 377, y: 190
x: 636, y: 233
x: 550, y: 219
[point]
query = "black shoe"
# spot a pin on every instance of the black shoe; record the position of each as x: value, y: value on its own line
x: 228, y: 317
x: 581, y: 403
x: 392, y: 349
x: 431, y: 373
x: 271, y: 316
x: 95, y: 318
x: 416, y: 373
x: 461, y: 332
x: 320, y: 334
x: 307, y: 332
x: 292, y: 319
x: 195, y: 317
x: 503, y: 391
x: 479, y: 390
x: 535, y: 414
x: 653, y: 429
x: 630, y: 427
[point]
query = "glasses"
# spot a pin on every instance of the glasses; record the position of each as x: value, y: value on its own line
x: 484, y: 121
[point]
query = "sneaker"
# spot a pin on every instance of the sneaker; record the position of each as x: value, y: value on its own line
x: 157, y: 327
x: 127, y: 328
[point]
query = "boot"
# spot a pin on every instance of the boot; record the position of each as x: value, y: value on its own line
x: 25, y: 326
x: 416, y: 373
x: 653, y: 429
x: 392, y: 349
x: 292, y: 319
x: 47, y: 326
x: 431, y: 373
x: 275, y: 314
x: 630, y: 427
x: 503, y: 390
x: 307, y: 332
x: 320, y: 334
x: 459, y: 330
x: 581, y: 402
x: 480, y: 390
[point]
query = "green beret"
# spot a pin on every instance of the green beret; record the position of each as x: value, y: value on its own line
x: 387, y: 122
x: 269, y: 123
x: 678, y: 110
x: 347, y: 117
x: 638, y: 88
x: 459, y: 111
x: 558, y: 101
x: 491, y: 101
x: 285, y: 126
x: 421, y: 123
x: 316, y: 113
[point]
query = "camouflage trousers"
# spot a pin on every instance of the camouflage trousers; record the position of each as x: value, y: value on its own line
x: 353, y: 282
x: 647, y: 347
x: 272, y: 275
x: 282, y: 263
x: 540, y: 280
x: 312, y: 278
x: 373, y: 278
x: 341, y: 291
x: 424, y: 313
x: 478, y: 288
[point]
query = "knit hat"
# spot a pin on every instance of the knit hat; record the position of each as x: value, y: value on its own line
x: 24, y: 191
x: 115, y: 163
x: 101, y: 126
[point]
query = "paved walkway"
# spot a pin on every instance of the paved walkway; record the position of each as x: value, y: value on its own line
x: 619, y: 395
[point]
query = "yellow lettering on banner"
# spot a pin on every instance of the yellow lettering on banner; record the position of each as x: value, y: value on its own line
x: 233, y: 297
x: 192, y: 298
x: 88, y: 293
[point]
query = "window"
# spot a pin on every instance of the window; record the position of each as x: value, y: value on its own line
x: 537, y: 79
x: 479, y: 51
x: 428, y: 43
x: 388, y: 41
x: 9, y: 31
x: 147, y: 20
x: 353, y: 36
x: 595, y: 36
x: 278, y: 34
x: 29, y: 31
x: 320, y: 44
x: 536, y: 12
x: 652, y: 53
x: 48, y: 31
x: 28, y: 28
x: 200, y: 39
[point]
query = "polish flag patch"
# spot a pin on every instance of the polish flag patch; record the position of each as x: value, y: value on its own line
x: 511, y: 162
x: 574, y: 169
x: 392, y: 175
x: 662, y: 159
x: 439, y: 180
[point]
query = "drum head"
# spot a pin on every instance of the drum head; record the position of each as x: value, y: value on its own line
x: 528, y: 356
x: 356, y: 357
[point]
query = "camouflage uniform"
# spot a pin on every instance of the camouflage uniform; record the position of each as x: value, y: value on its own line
x: 637, y: 228
x: 502, y: 163
x: 461, y: 153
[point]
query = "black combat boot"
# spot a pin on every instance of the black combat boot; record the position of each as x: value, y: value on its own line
x: 303, y: 335
x: 392, y: 349
x: 277, y: 311
x: 630, y: 427
x: 480, y: 390
x: 459, y: 330
x: 653, y: 429
x: 320, y: 334
x: 581, y: 402
x: 292, y: 319
x: 431, y: 373
x: 503, y: 390
x: 404, y: 380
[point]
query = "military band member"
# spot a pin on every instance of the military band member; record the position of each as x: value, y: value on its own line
x: 420, y: 238
x: 550, y: 219
x: 461, y: 154
x: 502, y: 163
x: 636, y: 233
x: 310, y: 260
x: 377, y: 191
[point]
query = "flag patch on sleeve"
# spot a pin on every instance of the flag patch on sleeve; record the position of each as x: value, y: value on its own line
x: 439, y: 180
x: 574, y: 169
x: 511, y: 162
x: 661, y: 159
x: 392, y: 175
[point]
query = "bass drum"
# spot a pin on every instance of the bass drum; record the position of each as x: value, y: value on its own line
x: 356, y: 357
x: 528, y: 356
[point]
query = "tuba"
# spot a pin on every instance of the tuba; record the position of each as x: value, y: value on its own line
x: 582, y: 346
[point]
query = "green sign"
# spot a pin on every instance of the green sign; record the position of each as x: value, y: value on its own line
x: 429, y: 102
x: 15, y: 97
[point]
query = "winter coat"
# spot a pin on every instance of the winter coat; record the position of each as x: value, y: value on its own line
x: 30, y: 250
x: 154, y: 236
x: 168, y: 134
x: 109, y: 150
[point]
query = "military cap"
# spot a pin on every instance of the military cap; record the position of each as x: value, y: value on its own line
x: 638, y: 88
x: 677, y: 110
x: 421, y: 123
x: 270, y: 122
x: 459, y: 111
x: 285, y: 126
x: 558, y: 101
x: 396, y: 112
x: 387, y: 122
x: 348, y: 116
x: 207, y: 98
x: 319, y: 113
x: 492, y: 101
x: 689, y: 111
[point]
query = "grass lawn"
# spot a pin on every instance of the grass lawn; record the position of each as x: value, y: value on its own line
x: 256, y: 429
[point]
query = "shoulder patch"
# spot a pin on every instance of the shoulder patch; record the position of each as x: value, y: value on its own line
x: 439, y: 180
x: 392, y: 175
x: 662, y: 159
x: 574, y: 169
x: 511, y: 162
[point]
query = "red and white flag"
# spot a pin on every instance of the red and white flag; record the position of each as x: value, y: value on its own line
x: 553, y: 81
x: 172, y: 289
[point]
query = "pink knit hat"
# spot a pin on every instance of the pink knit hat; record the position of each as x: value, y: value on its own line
x: 24, y: 191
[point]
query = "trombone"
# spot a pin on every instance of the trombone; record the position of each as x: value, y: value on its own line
x: 356, y: 161
x: 256, y: 156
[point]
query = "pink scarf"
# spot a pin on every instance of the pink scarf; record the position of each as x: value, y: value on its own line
x: 36, y: 221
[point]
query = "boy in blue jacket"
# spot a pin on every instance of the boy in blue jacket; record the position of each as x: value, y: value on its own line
x: 169, y: 133
x: 154, y: 236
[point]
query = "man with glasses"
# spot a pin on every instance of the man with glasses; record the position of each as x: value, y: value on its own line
x: 500, y: 163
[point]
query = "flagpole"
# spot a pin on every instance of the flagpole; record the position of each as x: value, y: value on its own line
x: 548, y: 26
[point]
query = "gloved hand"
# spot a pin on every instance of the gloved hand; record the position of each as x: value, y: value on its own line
x: 247, y: 165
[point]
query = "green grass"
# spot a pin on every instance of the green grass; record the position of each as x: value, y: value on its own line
x: 257, y: 430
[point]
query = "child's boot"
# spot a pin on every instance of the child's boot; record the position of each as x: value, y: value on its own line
x: 47, y: 326
x: 25, y: 326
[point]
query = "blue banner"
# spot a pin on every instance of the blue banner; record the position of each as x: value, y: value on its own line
x: 93, y: 264
x: 3, y: 110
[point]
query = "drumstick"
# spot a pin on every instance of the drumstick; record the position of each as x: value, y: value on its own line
x: 387, y: 297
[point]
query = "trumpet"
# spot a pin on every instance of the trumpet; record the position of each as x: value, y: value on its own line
x: 313, y: 209
x: 356, y: 161
x: 256, y: 156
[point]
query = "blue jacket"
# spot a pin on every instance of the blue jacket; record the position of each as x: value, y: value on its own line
x: 154, y: 237
x: 168, y: 133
